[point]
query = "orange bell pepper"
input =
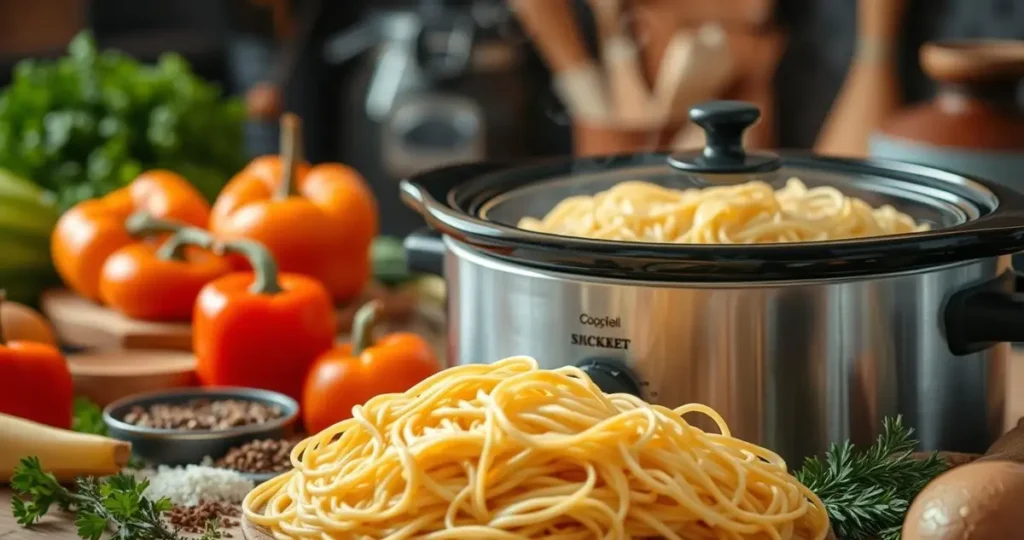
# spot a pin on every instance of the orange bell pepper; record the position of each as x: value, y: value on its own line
x: 35, y: 382
x: 90, y: 231
x: 350, y: 374
x: 318, y: 221
x: 160, y: 283
x: 260, y: 329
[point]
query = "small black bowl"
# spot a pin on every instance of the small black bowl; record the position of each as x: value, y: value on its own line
x: 184, y: 447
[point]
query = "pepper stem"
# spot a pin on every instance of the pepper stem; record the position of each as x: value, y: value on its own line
x: 291, y: 154
x: 144, y: 224
x: 174, y: 248
x: 264, y: 268
x: 3, y: 298
x: 363, y: 325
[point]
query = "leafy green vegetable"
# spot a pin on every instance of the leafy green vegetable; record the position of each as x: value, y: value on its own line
x: 88, y: 417
x: 867, y: 493
x: 116, y: 502
x: 90, y: 122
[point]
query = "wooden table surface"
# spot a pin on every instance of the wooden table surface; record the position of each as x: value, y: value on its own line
x: 58, y: 527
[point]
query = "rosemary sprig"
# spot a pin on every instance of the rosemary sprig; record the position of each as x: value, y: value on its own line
x: 867, y: 492
x: 115, y: 503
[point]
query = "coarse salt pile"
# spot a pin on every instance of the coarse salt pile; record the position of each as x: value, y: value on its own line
x: 193, y: 484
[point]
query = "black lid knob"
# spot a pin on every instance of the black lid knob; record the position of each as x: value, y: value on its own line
x: 724, y: 123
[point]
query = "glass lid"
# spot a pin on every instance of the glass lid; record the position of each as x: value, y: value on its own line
x: 723, y: 194
x: 617, y: 193
x: 721, y: 213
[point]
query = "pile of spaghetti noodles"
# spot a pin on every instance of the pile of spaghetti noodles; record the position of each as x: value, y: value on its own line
x: 511, y: 451
x: 750, y: 213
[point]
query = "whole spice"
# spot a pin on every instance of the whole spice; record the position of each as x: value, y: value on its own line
x: 117, y: 502
x: 316, y: 221
x: 203, y: 414
x: 351, y: 373
x: 196, y: 519
x: 867, y: 492
x: 260, y: 329
x: 260, y: 456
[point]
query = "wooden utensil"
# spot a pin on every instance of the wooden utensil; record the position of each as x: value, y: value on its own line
x: 577, y: 78
x: 628, y: 93
x: 871, y: 91
x: 107, y: 376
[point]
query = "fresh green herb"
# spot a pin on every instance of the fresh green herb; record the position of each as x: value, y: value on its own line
x: 114, y: 503
x: 867, y: 492
x: 88, y: 417
x: 90, y: 122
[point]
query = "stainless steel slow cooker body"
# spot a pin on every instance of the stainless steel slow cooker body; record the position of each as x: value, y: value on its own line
x: 796, y: 345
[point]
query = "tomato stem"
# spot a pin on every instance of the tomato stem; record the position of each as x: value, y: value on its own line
x: 363, y: 325
x: 3, y: 298
x: 291, y: 154
x: 264, y: 267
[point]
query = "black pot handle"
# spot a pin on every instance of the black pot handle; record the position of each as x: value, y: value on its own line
x: 985, y: 315
x: 424, y: 252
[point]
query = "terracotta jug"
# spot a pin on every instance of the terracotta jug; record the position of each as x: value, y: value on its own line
x: 975, y: 124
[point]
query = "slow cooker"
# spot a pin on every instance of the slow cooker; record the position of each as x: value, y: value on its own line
x: 797, y: 345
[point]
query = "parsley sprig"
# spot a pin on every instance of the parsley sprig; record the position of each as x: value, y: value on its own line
x: 116, y: 503
x: 88, y: 417
x: 867, y: 492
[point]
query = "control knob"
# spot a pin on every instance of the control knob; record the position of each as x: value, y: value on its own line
x: 611, y: 376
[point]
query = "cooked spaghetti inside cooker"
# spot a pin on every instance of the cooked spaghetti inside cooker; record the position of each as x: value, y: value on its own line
x: 750, y: 213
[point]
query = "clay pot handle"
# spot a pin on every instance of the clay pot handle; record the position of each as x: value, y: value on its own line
x: 974, y: 61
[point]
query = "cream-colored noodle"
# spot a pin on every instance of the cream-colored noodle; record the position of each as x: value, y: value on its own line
x: 750, y: 213
x: 510, y: 451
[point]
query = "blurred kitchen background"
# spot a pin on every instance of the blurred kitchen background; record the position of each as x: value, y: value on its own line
x: 391, y: 87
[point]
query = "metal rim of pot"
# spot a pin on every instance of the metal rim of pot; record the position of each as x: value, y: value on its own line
x: 973, y: 219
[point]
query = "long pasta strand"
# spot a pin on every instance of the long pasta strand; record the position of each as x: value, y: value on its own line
x: 508, y: 450
x: 750, y: 213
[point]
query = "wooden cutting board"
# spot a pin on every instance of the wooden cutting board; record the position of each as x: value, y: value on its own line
x: 82, y: 323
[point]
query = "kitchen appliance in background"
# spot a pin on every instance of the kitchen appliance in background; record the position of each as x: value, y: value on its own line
x: 797, y: 345
x: 440, y: 83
